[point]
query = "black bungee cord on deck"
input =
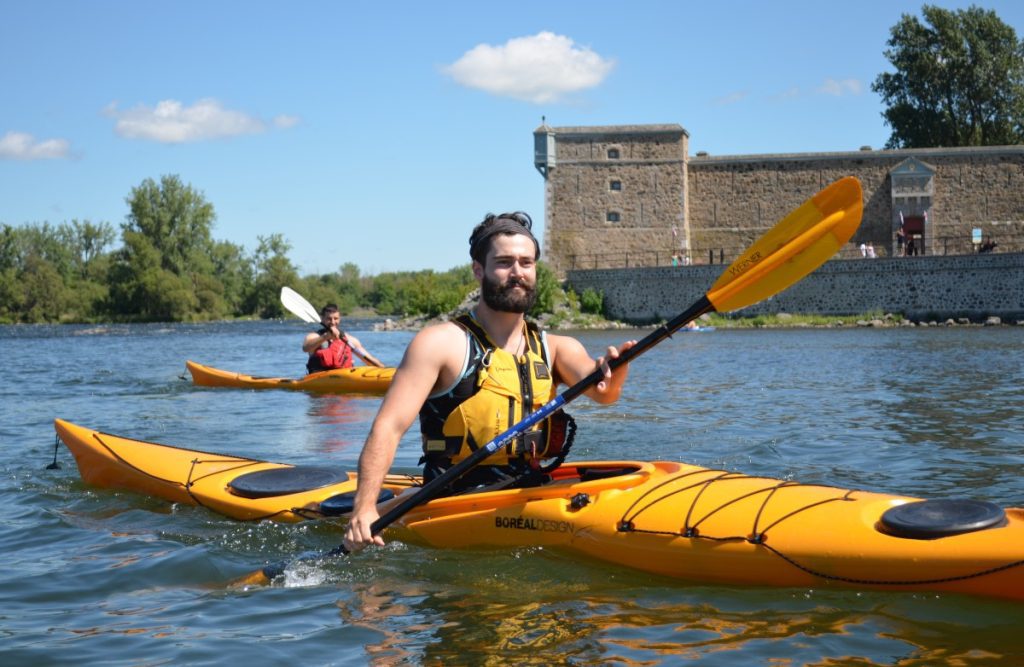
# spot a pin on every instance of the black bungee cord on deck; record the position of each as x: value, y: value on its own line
x: 56, y: 444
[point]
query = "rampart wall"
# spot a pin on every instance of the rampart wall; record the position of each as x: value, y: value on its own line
x: 920, y: 288
x: 734, y: 199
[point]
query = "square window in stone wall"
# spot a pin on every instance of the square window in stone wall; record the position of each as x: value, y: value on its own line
x: 613, y: 153
x: 615, y: 186
x: 613, y: 216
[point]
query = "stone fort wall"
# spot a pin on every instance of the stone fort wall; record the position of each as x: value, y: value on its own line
x: 920, y: 288
x: 733, y: 200
x: 628, y: 196
x: 611, y: 191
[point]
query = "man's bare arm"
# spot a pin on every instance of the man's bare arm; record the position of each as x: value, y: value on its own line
x: 361, y: 352
x: 423, y: 367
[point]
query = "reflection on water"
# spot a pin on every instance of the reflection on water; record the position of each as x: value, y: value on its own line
x: 546, y: 611
x: 343, y: 414
x: 98, y: 576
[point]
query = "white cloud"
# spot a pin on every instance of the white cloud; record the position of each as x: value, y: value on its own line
x: 790, y: 93
x: 541, y: 68
x: 23, y: 146
x: 731, y: 98
x: 285, y: 121
x: 171, y: 122
x: 841, y: 87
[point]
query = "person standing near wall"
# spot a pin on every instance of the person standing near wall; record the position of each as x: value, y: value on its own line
x: 911, y: 247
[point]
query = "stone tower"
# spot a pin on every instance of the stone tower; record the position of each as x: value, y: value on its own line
x: 613, y: 195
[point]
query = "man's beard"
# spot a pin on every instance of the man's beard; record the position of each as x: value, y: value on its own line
x: 504, y: 298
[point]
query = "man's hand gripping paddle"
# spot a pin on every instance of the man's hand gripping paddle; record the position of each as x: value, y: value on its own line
x: 804, y: 240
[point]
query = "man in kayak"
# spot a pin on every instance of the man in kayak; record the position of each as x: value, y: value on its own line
x: 330, y: 347
x: 471, y: 379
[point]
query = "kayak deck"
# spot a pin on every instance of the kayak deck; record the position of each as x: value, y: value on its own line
x: 666, y: 518
x: 355, y: 380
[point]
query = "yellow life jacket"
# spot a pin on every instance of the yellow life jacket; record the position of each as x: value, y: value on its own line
x: 496, y: 390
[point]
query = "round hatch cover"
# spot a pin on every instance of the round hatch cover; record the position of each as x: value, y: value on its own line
x: 927, y: 519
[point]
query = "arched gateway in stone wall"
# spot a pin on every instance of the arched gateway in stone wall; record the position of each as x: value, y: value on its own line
x: 631, y: 195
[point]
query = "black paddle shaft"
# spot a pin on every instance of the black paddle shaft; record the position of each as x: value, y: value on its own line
x: 647, y: 342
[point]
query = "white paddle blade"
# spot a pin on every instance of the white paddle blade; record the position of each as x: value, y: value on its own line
x: 298, y: 306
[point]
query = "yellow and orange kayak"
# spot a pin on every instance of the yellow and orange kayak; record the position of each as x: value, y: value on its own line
x: 356, y: 380
x: 667, y: 518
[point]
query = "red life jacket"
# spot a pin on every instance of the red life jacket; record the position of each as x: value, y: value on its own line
x: 336, y: 355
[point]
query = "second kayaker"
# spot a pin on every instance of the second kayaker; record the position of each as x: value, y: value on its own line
x: 330, y: 347
x: 471, y: 379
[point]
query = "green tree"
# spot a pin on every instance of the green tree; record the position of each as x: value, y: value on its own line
x: 10, y: 288
x: 141, y: 288
x: 383, y: 295
x: 351, y: 287
x: 959, y: 80
x: 48, y: 243
x: 547, y: 290
x: 273, y: 271
x: 176, y: 219
x: 90, y: 241
x: 167, y: 267
x: 592, y: 301
x: 234, y: 270
x: 86, y: 282
x: 44, y: 295
x: 8, y: 247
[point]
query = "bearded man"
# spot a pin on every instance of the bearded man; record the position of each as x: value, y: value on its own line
x: 471, y: 379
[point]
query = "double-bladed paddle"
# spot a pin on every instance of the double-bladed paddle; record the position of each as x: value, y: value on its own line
x: 804, y: 240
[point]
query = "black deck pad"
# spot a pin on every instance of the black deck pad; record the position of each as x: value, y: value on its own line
x: 929, y: 519
x: 344, y: 502
x: 284, y: 481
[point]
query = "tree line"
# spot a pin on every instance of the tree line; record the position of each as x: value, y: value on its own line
x: 169, y: 267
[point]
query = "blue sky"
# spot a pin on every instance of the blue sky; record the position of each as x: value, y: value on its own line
x: 379, y: 132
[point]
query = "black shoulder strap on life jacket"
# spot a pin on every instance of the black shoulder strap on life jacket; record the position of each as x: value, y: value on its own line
x: 468, y: 323
x: 533, y: 338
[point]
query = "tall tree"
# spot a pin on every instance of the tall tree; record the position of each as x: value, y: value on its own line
x: 273, y: 271
x: 176, y: 219
x: 959, y: 80
x: 141, y: 288
x: 44, y: 295
x: 233, y: 268
x: 88, y: 240
x: 164, y: 271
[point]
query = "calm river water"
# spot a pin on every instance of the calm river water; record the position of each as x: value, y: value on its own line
x: 93, y: 576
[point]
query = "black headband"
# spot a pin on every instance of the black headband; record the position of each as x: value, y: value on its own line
x: 506, y: 223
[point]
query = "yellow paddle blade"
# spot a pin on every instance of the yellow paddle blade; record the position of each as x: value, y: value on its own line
x: 801, y: 242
